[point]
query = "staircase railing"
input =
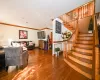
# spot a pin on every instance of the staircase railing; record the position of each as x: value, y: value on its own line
x: 71, y: 42
x: 68, y: 47
x: 96, y: 53
x: 76, y: 33
x: 68, y: 44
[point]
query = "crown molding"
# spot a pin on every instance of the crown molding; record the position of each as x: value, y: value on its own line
x: 14, y: 25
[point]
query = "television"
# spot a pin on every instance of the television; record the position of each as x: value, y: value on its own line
x: 41, y: 34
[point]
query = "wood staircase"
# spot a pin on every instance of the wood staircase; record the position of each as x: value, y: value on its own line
x: 68, y: 26
x: 81, y: 56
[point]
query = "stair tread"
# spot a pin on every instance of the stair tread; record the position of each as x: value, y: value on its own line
x: 81, y: 38
x: 81, y: 59
x: 81, y: 62
x: 84, y: 43
x: 83, y: 53
x: 83, y: 68
x: 70, y: 27
x: 84, y: 46
x: 84, y: 50
x: 89, y: 76
x: 86, y: 35
x: 84, y: 40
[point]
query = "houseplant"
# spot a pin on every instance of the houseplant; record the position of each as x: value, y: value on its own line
x: 57, y: 50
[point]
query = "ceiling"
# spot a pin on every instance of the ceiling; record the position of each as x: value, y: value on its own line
x: 35, y: 13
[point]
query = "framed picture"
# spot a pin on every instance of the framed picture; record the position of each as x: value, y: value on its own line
x: 58, y: 27
x: 23, y: 34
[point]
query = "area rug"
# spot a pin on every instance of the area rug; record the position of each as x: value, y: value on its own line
x: 26, y: 74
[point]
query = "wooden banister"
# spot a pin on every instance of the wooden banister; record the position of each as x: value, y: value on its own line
x: 69, y: 24
x: 59, y: 41
x: 76, y: 8
x: 96, y: 53
x: 76, y: 33
x: 68, y: 45
x: 75, y: 20
x: 65, y: 40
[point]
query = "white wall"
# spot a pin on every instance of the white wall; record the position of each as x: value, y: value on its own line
x: 10, y: 32
x: 98, y: 20
x: 97, y: 6
x: 83, y: 24
x: 48, y: 32
x: 56, y: 36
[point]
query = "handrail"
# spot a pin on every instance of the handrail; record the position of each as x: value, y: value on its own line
x: 72, y: 35
x: 65, y: 40
x: 58, y: 41
x: 97, y: 13
x: 96, y: 52
x: 70, y: 21
x: 76, y: 32
x: 98, y: 45
x: 76, y: 19
x: 76, y: 8
x: 69, y: 45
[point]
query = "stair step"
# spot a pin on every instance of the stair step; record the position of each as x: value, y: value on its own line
x: 81, y: 69
x: 70, y: 28
x: 82, y: 55
x: 84, y: 50
x: 85, y: 35
x: 81, y: 62
x: 85, y: 42
x: 85, y: 38
x: 84, y: 46
x: 81, y: 58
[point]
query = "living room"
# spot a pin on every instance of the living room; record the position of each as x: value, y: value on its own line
x: 32, y: 44
x: 18, y: 39
x: 11, y: 33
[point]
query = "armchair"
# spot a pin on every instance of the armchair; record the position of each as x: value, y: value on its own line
x: 15, y: 56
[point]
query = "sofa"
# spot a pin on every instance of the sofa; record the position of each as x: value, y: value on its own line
x: 28, y: 44
x: 15, y: 56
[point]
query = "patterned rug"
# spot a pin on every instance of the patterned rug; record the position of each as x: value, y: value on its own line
x: 26, y: 74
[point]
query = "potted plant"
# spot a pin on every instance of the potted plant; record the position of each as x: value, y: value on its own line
x: 66, y: 35
x: 57, y: 50
x: 90, y: 29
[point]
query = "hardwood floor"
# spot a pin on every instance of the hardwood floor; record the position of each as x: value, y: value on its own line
x: 47, y: 67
